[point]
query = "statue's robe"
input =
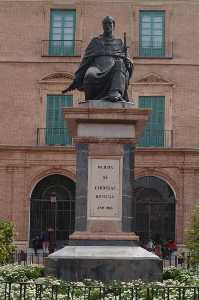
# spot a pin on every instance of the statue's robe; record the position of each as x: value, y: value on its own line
x: 104, y: 69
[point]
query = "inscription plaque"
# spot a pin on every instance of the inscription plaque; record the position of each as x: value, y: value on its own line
x: 104, y: 188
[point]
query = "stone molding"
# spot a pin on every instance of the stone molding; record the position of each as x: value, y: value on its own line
x: 57, y: 77
x: 93, y: 140
x: 153, y: 78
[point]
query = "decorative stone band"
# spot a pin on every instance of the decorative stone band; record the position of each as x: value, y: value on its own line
x: 93, y: 140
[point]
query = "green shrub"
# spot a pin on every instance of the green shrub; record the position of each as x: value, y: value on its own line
x: 18, y: 273
x: 192, y: 236
x: 174, y: 273
x: 6, y: 241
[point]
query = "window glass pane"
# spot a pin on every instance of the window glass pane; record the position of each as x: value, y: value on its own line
x: 146, y: 39
x: 57, y: 17
x: 157, y: 40
x: 56, y: 37
x: 56, y: 31
x: 68, y: 30
x: 157, y: 19
x: 68, y: 23
x: 146, y: 25
x: 146, y: 18
x: 57, y: 24
x: 68, y: 38
x: 68, y: 18
x: 146, y: 32
x: 157, y: 32
x: 157, y: 26
x: 146, y: 44
x: 68, y: 43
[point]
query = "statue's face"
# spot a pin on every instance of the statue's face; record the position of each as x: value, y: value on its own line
x: 108, y: 26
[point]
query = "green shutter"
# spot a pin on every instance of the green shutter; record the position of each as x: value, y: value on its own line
x: 154, y: 133
x: 56, y: 128
x: 152, y: 33
x: 62, y: 33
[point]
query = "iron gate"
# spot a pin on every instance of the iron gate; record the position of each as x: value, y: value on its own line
x: 155, y: 209
x: 57, y: 216
x: 52, y: 209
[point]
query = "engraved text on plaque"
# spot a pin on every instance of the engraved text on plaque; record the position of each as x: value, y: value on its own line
x: 104, y: 188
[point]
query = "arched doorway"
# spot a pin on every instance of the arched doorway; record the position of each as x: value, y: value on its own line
x: 52, y: 208
x: 155, y: 209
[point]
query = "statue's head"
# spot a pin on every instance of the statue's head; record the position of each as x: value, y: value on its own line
x: 108, y: 24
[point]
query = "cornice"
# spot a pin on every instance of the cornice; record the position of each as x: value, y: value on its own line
x: 68, y: 149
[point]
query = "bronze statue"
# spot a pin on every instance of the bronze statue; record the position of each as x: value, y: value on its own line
x: 105, y: 69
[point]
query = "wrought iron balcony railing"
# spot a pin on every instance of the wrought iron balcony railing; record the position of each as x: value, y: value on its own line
x: 156, y: 138
x: 61, y: 136
x: 53, y: 136
x: 152, y: 50
x: 61, y: 48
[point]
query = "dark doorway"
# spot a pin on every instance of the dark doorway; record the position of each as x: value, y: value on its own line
x: 155, y: 209
x: 52, y: 208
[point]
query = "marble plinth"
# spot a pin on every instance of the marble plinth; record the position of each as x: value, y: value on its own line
x: 105, y: 263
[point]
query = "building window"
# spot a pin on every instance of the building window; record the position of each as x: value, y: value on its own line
x: 152, y: 34
x: 154, y: 134
x: 56, y: 131
x: 62, y: 33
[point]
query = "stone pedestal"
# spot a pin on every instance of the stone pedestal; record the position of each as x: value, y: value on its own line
x: 104, y: 245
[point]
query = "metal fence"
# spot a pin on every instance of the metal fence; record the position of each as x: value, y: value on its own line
x: 178, y: 260
x: 156, y: 138
x: 152, y: 50
x: 29, y: 258
x: 53, y: 136
x: 61, y: 48
x: 22, y: 291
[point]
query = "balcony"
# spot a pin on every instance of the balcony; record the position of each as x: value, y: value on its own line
x: 53, y: 136
x: 61, y: 48
x: 157, y: 50
x: 156, y: 138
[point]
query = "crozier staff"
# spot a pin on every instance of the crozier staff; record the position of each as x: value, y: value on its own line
x: 105, y: 69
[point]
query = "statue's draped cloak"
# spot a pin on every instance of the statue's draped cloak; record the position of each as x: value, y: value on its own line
x: 103, y: 58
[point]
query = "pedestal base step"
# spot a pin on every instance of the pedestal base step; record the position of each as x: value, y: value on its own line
x: 85, y: 238
x: 104, y: 263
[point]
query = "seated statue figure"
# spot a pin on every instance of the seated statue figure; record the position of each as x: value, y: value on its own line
x: 105, y: 69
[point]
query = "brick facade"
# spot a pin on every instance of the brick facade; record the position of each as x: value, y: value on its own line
x: 27, y: 77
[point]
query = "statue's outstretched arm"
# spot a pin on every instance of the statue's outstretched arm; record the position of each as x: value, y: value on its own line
x: 71, y: 87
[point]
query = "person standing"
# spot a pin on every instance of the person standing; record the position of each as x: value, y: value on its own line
x: 36, y: 244
x: 45, y: 241
x: 150, y: 245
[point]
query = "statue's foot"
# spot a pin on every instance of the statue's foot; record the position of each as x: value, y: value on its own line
x: 117, y: 99
x: 114, y: 98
